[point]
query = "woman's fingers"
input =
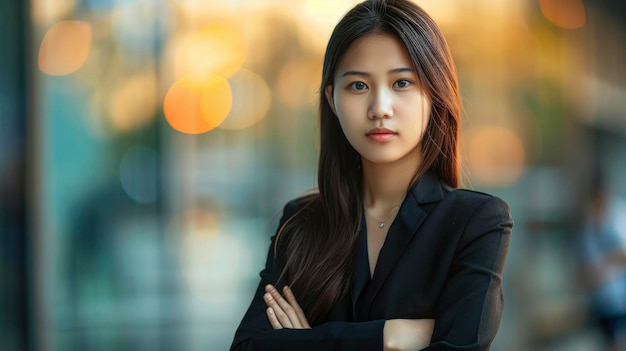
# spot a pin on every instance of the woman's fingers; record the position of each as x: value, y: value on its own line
x: 286, y: 307
x: 296, y: 306
x: 287, y: 312
x: 277, y: 310
x: 272, y: 318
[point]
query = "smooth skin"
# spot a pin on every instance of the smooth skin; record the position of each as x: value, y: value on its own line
x: 375, y: 90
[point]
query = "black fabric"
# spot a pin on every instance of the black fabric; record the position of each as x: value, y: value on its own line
x: 442, y: 258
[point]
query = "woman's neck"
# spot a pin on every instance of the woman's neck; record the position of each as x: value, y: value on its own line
x: 385, y: 185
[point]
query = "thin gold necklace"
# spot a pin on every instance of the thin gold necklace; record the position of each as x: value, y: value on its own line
x: 381, y: 224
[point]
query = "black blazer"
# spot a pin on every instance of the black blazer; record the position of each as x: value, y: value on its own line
x: 443, y: 259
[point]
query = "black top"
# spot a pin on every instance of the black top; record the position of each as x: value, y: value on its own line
x: 442, y: 259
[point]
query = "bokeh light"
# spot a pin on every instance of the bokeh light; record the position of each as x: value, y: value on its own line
x: 568, y: 14
x: 138, y: 174
x: 46, y: 11
x: 65, y: 47
x: 195, y: 222
x: 298, y: 83
x: 251, y: 100
x: 496, y: 156
x: 216, y: 48
x: 327, y: 11
x: 318, y: 19
x: 133, y: 103
x: 197, y: 103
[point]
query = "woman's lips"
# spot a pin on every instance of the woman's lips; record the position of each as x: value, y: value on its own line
x: 381, y: 134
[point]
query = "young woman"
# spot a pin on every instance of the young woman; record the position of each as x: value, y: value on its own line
x: 388, y: 255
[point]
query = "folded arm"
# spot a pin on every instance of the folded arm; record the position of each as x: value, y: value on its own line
x: 468, y: 311
x: 470, y: 305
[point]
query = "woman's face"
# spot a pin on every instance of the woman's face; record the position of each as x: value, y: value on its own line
x: 376, y: 95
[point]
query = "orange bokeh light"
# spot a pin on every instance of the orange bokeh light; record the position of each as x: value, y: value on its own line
x: 496, y: 156
x: 568, y: 14
x: 251, y: 100
x: 65, y: 48
x: 216, y: 48
x: 197, y: 103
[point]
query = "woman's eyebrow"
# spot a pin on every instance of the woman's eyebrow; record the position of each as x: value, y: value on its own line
x: 355, y: 73
x: 366, y: 74
x: 400, y: 70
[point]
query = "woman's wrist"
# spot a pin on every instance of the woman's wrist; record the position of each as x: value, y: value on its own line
x: 407, y: 334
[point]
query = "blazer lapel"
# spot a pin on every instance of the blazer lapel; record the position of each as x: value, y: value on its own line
x: 403, y: 229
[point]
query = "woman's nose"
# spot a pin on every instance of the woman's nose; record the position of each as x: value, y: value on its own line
x: 381, y: 105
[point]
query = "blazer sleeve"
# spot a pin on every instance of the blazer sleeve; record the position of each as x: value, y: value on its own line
x: 470, y: 307
x: 256, y: 334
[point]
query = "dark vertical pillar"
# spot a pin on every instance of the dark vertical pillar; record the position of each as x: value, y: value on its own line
x: 14, y: 215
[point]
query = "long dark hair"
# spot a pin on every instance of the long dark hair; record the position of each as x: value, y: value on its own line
x: 318, y: 248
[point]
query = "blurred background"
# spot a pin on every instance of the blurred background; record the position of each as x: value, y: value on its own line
x: 148, y: 146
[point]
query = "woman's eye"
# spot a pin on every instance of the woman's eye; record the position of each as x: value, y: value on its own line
x: 402, y: 83
x: 358, y: 86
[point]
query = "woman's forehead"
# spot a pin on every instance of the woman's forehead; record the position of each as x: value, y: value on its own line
x: 375, y: 52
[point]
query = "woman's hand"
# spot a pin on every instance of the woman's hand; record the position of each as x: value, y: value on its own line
x: 284, y: 312
x: 407, y: 334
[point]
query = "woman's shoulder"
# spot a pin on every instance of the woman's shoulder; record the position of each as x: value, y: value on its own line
x: 300, y: 202
x: 477, y: 202
x: 478, y: 213
x: 295, y: 206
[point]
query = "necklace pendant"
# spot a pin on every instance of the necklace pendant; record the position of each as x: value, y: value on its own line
x: 381, y: 225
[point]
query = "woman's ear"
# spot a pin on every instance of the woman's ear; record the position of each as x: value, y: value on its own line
x: 328, y: 91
